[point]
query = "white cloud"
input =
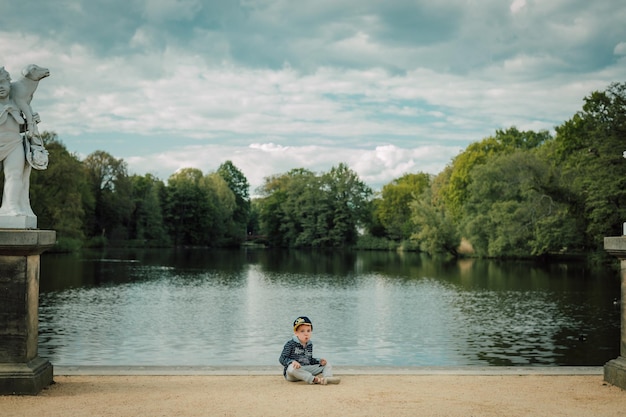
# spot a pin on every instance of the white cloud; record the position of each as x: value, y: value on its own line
x: 387, y: 87
x: 375, y: 166
x: 517, y: 5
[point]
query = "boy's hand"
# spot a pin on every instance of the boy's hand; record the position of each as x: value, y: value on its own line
x: 323, y: 362
x: 295, y: 364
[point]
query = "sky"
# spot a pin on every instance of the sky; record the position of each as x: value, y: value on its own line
x: 387, y: 87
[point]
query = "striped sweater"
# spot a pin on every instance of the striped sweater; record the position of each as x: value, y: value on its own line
x: 294, y: 351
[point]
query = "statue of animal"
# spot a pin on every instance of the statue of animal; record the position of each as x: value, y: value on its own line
x: 22, y: 91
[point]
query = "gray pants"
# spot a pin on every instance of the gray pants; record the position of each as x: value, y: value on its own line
x: 308, y: 372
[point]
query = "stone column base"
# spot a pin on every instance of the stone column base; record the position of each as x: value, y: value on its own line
x: 615, y: 372
x: 22, y: 371
x: 25, y: 378
x: 18, y: 222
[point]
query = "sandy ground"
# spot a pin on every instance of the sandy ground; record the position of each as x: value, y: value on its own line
x: 356, y: 395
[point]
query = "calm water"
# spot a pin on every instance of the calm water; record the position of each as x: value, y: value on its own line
x: 197, y: 307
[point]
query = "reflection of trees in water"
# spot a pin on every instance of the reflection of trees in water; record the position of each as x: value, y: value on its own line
x: 452, y: 312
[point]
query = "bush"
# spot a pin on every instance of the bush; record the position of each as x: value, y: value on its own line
x: 67, y: 244
x: 97, y: 242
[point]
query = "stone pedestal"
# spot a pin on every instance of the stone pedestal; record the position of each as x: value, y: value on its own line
x: 18, y: 222
x: 615, y: 370
x: 22, y: 371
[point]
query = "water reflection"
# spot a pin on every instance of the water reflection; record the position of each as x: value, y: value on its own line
x: 197, y: 307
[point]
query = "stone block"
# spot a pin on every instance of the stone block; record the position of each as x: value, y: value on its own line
x: 25, y: 378
x: 22, y: 371
x: 615, y: 372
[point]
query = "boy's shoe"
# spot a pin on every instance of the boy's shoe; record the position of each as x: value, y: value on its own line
x: 319, y: 380
x: 328, y: 380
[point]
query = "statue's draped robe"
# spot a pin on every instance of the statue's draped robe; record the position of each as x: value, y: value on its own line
x: 10, y: 138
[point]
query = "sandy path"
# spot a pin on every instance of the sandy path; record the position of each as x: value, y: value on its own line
x: 357, y: 395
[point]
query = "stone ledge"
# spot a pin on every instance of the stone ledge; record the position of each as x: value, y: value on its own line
x: 26, y: 242
x: 615, y: 245
x: 339, y: 370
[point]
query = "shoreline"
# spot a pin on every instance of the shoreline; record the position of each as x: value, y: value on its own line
x: 189, y: 370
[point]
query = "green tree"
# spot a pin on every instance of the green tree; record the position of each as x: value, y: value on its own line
x: 223, y: 206
x: 238, y: 184
x: 287, y: 205
x: 348, y: 202
x: 394, y: 208
x: 308, y: 212
x: 513, y: 208
x: 111, y: 189
x: 433, y: 227
x: 60, y: 194
x: 254, y: 222
x: 188, y: 211
x: 374, y: 225
x: 455, y: 192
x: 269, y: 208
x: 147, y: 218
x: 302, y: 209
x: 589, y: 148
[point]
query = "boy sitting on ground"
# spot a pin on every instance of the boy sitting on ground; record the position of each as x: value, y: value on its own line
x: 297, y: 357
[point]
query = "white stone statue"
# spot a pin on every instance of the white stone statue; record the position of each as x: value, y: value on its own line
x: 22, y: 92
x: 21, y: 148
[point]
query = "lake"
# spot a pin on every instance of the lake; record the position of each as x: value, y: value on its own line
x: 219, y: 307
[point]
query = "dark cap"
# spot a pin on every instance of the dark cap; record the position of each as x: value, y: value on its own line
x: 300, y: 321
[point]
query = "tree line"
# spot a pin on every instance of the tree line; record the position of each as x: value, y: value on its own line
x: 95, y: 202
x: 514, y: 194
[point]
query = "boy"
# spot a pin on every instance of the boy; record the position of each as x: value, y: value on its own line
x: 297, y: 357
